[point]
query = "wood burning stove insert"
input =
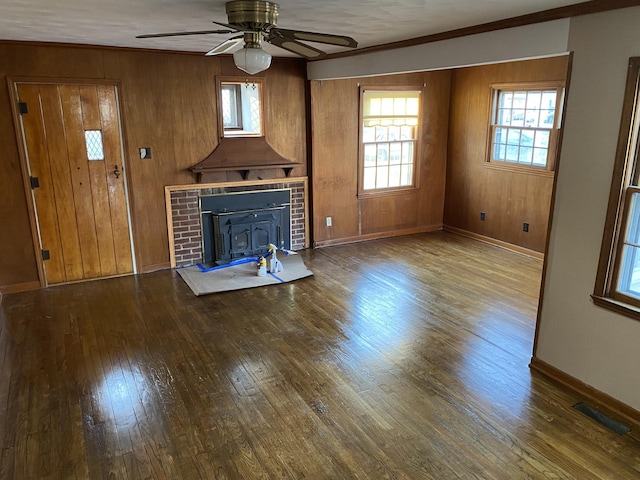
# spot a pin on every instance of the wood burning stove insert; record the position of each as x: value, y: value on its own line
x: 243, y: 224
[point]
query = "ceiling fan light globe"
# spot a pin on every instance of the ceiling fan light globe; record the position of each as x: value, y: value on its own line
x: 252, y: 60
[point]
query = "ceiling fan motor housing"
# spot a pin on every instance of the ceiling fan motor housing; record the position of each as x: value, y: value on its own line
x: 252, y: 15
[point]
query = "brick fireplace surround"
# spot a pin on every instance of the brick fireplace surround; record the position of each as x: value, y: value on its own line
x: 184, y: 219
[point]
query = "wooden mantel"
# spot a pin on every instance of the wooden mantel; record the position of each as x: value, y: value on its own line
x: 243, y: 155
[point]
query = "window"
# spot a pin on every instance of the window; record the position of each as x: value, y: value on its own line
x: 524, y: 126
x: 241, y: 107
x: 389, y: 132
x: 618, y: 280
x: 93, y: 141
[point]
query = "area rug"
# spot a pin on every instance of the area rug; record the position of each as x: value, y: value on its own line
x: 242, y: 276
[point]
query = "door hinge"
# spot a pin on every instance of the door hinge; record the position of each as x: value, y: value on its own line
x: 35, y: 183
x: 22, y: 108
x: 45, y: 255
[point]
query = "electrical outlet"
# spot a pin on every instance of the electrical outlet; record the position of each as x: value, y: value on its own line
x: 525, y: 227
x: 329, y: 223
x: 482, y: 216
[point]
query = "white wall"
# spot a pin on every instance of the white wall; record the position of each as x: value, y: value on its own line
x: 590, y: 343
x: 529, y: 41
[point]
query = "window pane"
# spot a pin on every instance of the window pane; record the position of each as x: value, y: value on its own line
x: 512, y: 154
x: 394, y: 133
x: 546, y: 118
x: 381, y: 134
x: 407, y: 152
x: 518, y: 118
x: 394, y: 176
x: 382, y: 177
x: 368, y: 134
x: 499, y: 151
x: 542, y: 139
x: 412, y: 106
x: 519, y: 99
x: 383, y: 154
x: 533, y: 99
x: 506, y: 99
x: 504, y: 116
x: 375, y: 106
x: 369, y: 155
x: 395, y: 153
x: 548, y: 100
x: 630, y: 271
x: 513, y: 137
x: 531, y: 118
x: 387, y: 106
x: 629, y: 275
x: 369, y: 180
x: 540, y: 157
x: 93, y: 140
x: 407, y: 133
x: 407, y: 175
x: 526, y: 138
x: 526, y: 154
x: 399, y: 105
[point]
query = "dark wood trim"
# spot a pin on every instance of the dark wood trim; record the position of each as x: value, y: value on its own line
x: 617, y: 306
x: 377, y: 236
x: 116, y: 48
x: 553, y: 201
x: 598, y: 397
x: 492, y: 241
x: 19, y: 287
x: 155, y: 267
x: 595, y: 6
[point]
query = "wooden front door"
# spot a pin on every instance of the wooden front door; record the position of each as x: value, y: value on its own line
x: 74, y: 155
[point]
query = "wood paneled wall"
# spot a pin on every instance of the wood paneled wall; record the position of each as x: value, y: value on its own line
x: 508, y: 198
x: 334, y: 121
x: 167, y: 103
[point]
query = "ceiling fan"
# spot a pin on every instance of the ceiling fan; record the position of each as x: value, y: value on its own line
x: 257, y: 20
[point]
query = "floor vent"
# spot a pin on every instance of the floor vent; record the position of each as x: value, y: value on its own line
x: 599, y: 417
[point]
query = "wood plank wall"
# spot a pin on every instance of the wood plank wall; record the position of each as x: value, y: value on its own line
x: 508, y: 198
x: 168, y: 104
x: 334, y: 121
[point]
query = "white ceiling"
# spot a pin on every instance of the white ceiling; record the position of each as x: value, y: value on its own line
x: 370, y: 22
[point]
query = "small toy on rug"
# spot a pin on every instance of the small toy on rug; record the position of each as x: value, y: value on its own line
x: 275, y: 265
x: 262, y: 267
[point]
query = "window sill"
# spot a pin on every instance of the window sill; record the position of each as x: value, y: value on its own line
x: 387, y: 192
x: 516, y: 168
x: 617, y: 306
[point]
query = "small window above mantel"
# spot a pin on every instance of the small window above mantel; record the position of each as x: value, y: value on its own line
x: 240, y: 106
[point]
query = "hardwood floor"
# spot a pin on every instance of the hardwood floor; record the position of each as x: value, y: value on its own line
x: 403, y: 358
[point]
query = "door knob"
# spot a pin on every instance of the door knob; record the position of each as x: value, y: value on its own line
x: 117, y: 172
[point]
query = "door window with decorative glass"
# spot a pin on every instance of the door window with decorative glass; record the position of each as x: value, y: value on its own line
x: 525, y: 123
x: 389, y: 123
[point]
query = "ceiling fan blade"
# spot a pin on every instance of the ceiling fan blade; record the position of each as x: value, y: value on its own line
x: 296, y: 47
x: 225, y: 46
x: 176, y: 34
x: 226, y: 25
x: 327, y: 38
